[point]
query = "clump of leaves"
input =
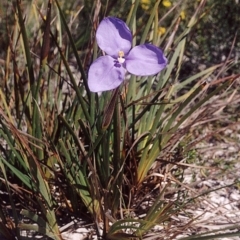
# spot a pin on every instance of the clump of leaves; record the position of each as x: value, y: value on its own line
x: 105, y: 154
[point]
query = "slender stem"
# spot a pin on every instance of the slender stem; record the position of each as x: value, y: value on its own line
x: 109, y: 110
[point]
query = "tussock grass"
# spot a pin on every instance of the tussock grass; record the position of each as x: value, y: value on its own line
x: 118, y: 158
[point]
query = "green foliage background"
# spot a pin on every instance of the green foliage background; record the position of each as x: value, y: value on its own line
x: 216, y: 37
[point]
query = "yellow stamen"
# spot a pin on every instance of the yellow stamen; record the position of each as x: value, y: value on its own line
x: 121, y: 57
x: 121, y: 54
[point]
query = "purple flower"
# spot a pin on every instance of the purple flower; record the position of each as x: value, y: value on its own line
x: 115, y: 39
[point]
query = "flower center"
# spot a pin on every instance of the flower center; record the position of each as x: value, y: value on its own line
x: 121, y: 58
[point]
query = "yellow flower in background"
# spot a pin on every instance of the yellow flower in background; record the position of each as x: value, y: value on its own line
x: 166, y: 3
x: 182, y: 15
x: 145, y: 4
x: 161, y: 30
